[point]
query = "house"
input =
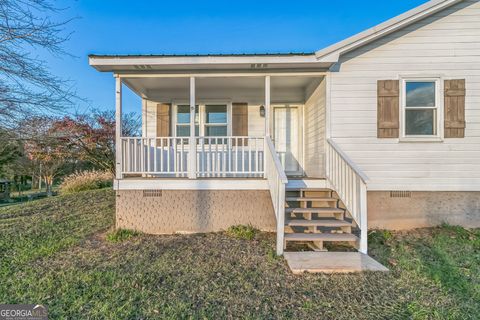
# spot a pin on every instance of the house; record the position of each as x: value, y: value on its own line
x: 381, y: 130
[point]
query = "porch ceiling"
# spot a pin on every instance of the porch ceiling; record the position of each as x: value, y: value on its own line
x: 284, y: 89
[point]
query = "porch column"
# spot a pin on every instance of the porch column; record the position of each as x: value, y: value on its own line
x: 118, y: 127
x: 267, y: 105
x: 192, y: 161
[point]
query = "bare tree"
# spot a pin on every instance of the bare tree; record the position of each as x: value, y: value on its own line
x: 26, y: 85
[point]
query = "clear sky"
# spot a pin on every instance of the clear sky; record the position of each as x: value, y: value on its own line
x: 196, y: 27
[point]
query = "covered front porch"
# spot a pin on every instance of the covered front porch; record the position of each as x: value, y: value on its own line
x: 242, y: 123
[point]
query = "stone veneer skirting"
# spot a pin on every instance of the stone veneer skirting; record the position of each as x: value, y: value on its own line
x: 191, y: 211
x: 422, y: 209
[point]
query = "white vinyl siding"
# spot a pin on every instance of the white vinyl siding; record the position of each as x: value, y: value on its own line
x: 314, y: 132
x: 446, y: 46
x: 149, y: 119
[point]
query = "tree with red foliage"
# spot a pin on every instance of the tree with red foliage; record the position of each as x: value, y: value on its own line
x: 45, y: 148
x: 92, y: 137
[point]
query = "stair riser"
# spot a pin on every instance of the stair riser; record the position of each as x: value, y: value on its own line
x: 305, y: 215
x: 318, y: 194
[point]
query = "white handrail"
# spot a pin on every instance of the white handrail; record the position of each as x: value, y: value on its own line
x: 348, y: 160
x: 350, y: 184
x: 277, y: 180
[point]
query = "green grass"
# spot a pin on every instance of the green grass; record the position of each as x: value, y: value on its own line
x: 120, y: 235
x: 245, y: 232
x: 54, y: 252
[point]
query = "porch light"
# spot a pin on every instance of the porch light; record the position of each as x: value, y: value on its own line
x: 262, y: 111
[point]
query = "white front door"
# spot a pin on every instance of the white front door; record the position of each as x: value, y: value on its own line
x: 287, y: 138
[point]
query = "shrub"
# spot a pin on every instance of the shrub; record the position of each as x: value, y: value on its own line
x: 242, y: 232
x: 86, y: 180
x: 120, y: 235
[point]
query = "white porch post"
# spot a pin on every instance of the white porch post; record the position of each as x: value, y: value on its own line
x: 267, y: 105
x: 267, y: 124
x: 192, y: 161
x: 363, y: 219
x: 118, y: 127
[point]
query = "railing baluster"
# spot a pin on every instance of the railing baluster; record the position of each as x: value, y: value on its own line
x: 235, y: 151
x: 204, y: 157
x: 168, y: 155
x: 181, y: 155
x: 216, y: 157
x: 224, y: 156
x: 249, y: 155
x: 243, y: 154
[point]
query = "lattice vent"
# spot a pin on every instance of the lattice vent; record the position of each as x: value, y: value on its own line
x: 400, y: 194
x: 152, y: 193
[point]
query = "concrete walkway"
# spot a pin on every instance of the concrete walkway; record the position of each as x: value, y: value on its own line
x: 331, y: 262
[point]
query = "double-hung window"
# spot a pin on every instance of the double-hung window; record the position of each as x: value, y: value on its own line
x: 216, y: 120
x: 211, y: 120
x: 182, y: 126
x: 421, y: 108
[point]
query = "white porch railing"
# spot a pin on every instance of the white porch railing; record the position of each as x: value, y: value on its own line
x: 214, y: 156
x: 350, y: 184
x: 277, y: 180
x: 157, y: 156
x: 229, y: 156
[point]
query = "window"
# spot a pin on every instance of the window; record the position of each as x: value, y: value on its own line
x: 215, y: 120
x: 420, y: 105
x: 183, y: 121
x: 211, y: 120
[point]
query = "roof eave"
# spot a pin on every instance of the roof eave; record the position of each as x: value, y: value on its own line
x: 333, y: 52
x: 115, y: 63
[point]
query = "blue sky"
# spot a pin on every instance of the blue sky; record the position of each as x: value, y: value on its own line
x: 184, y: 27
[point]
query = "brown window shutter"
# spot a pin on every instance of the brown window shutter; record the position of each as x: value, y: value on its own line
x: 163, y: 119
x: 388, y: 96
x: 454, y: 108
x: 240, y: 120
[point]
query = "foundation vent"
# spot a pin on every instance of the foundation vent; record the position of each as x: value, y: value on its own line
x: 152, y: 193
x: 400, y: 194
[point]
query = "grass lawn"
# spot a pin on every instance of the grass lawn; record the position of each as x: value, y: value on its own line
x: 55, y: 252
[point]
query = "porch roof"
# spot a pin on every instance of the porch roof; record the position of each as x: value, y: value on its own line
x: 208, y: 62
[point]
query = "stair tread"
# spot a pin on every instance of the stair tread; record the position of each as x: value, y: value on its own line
x: 320, y: 237
x: 310, y: 199
x: 314, y: 210
x: 307, y: 189
x: 320, y: 223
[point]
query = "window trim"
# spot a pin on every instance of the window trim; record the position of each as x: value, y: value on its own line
x: 202, y: 115
x: 438, y: 137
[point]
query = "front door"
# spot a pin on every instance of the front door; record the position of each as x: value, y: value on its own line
x: 287, y: 138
